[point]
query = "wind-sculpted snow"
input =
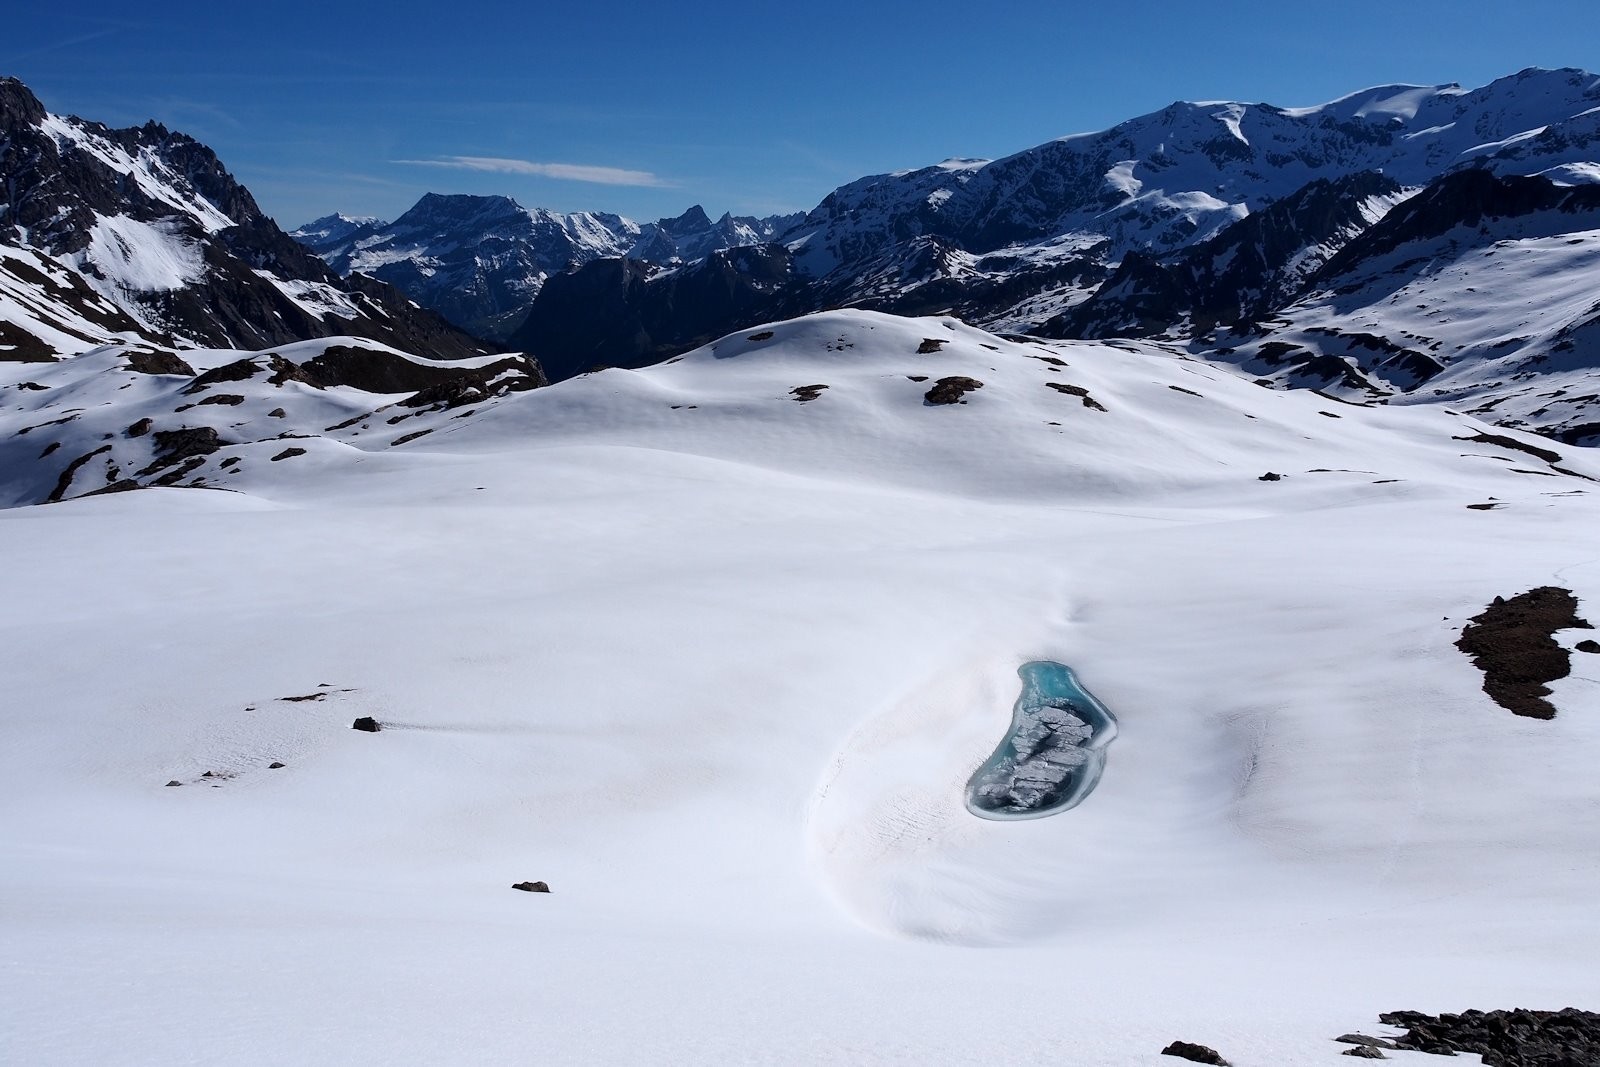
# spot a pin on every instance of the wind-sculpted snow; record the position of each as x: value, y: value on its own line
x: 1055, y: 753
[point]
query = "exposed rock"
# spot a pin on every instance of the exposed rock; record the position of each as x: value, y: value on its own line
x: 289, y: 453
x: 1364, y: 1039
x: 403, y: 438
x: 173, y: 783
x: 232, y: 400
x: 532, y: 887
x: 1186, y: 1050
x: 378, y: 371
x: 1078, y: 391
x: 1270, y: 476
x: 277, y: 413
x: 65, y: 481
x: 930, y: 345
x: 140, y: 428
x: 178, y: 473
x: 1512, y: 643
x: 1587, y: 645
x: 456, y: 387
x: 282, y: 371
x: 174, y: 446
x: 1516, y: 1038
x: 237, y: 371
x: 1365, y: 1052
x: 803, y: 393
x: 1502, y: 441
x: 764, y: 335
x: 366, y: 724
x: 121, y: 485
x: 951, y: 390
x: 917, y: 377
x: 144, y: 362
x: 275, y: 766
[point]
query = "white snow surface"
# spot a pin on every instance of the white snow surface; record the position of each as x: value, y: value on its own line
x: 126, y: 257
x: 716, y: 664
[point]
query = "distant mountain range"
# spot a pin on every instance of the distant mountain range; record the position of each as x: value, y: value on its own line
x: 1273, y: 238
x: 481, y: 260
x: 1398, y: 245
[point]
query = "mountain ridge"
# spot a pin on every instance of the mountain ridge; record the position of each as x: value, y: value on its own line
x: 164, y: 247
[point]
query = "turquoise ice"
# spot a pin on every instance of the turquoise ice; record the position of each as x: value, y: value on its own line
x: 1054, y: 755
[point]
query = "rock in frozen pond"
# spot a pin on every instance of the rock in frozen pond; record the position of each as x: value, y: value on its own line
x: 1055, y: 753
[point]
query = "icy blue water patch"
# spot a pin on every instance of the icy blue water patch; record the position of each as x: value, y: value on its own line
x: 1055, y: 752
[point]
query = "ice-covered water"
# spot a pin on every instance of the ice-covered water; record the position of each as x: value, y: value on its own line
x: 1054, y: 755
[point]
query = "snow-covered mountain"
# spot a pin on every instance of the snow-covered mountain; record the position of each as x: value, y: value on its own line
x: 1182, y: 174
x: 480, y: 260
x: 1480, y: 290
x: 712, y: 649
x: 142, y: 235
x: 1169, y: 225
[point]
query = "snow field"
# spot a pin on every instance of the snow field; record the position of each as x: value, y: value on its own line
x: 719, y: 674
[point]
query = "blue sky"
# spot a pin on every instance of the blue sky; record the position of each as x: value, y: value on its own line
x: 746, y: 106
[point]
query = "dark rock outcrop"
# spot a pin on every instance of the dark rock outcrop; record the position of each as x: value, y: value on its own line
x: 950, y: 390
x: 531, y: 887
x: 1512, y: 643
x: 175, y: 446
x: 146, y: 362
x: 366, y: 724
x: 1187, y: 1050
x: 1515, y: 1038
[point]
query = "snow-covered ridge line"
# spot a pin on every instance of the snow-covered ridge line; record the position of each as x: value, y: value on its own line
x: 151, y: 222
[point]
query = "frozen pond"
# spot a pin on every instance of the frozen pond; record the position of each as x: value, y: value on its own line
x: 1053, y: 756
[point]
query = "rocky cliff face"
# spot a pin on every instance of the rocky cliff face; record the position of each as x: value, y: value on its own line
x: 172, y: 248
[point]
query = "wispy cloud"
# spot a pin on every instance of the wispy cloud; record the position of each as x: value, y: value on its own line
x: 571, y: 172
x: 56, y: 46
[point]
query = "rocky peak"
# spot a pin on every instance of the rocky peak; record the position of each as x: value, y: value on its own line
x: 695, y: 220
x: 18, y: 106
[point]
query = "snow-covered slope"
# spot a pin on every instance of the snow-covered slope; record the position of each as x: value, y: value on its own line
x: 1479, y: 291
x: 124, y: 417
x: 715, y: 661
x: 142, y: 234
